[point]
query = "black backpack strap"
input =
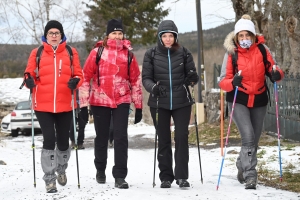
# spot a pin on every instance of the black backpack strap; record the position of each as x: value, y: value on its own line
x: 98, y: 56
x: 234, y: 58
x: 38, y: 59
x: 130, y: 57
x: 70, y: 52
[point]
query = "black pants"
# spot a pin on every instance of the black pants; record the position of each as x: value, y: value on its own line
x: 181, y: 117
x: 82, y: 119
x: 102, y: 117
x: 55, y: 125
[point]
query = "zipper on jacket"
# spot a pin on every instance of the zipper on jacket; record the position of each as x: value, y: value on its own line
x: 170, y: 77
x: 60, y: 61
x: 54, y: 97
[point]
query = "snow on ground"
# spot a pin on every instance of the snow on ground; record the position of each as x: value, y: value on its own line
x: 16, y: 177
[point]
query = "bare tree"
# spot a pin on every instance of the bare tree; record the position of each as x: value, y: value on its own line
x: 27, y: 18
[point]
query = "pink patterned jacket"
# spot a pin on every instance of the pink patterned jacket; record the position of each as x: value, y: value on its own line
x: 114, y: 86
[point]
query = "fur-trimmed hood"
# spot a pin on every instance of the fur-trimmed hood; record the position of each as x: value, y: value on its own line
x: 230, y: 46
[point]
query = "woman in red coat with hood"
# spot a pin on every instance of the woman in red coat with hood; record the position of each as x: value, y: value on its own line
x: 252, y: 99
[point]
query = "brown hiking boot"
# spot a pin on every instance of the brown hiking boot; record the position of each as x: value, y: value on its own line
x: 51, y: 188
x: 62, y: 179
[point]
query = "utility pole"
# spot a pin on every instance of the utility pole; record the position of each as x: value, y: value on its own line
x: 200, y: 49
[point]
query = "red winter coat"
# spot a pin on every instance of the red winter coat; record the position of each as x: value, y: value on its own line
x: 51, y: 93
x: 250, y: 62
x: 115, y: 86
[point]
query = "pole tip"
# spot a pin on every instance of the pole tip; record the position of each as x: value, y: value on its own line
x: 217, y: 187
x: 78, y: 186
x: 153, y: 185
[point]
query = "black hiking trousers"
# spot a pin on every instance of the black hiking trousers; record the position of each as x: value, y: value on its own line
x: 55, y: 128
x: 102, y: 117
x: 181, y: 118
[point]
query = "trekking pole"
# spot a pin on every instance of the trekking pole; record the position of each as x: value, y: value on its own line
x: 228, y: 130
x: 222, y: 121
x: 155, y: 141
x: 197, y: 134
x: 75, y: 137
x: 32, y: 127
x: 277, y: 122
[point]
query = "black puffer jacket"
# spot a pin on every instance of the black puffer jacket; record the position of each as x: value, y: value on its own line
x: 167, y: 66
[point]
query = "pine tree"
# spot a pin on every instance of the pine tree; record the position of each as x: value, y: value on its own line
x: 140, y: 19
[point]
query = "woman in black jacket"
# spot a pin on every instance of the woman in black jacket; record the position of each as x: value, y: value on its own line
x: 168, y: 70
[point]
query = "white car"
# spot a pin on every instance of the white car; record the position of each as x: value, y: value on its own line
x: 20, y: 121
x: 5, y: 124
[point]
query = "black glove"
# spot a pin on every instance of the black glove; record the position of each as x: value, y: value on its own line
x: 275, y: 75
x: 237, y: 80
x: 72, y: 84
x: 138, y: 115
x: 159, y: 91
x: 29, y: 82
x: 192, y: 78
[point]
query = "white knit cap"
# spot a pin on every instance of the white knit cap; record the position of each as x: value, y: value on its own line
x: 244, y: 24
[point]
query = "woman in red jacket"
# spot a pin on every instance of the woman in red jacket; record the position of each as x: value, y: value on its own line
x: 116, y: 82
x: 252, y: 99
x: 51, y: 82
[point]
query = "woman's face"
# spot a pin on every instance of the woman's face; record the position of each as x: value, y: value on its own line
x: 168, y: 39
x: 116, y: 35
x: 244, y: 35
x: 53, y: 36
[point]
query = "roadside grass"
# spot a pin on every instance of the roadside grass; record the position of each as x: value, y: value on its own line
x: 209, y: 137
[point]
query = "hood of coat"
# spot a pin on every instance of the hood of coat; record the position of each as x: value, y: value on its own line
x: 230, y: 45
x: 166, y: 26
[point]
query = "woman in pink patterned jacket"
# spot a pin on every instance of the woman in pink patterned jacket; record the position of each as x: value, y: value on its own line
x: 116, y: 83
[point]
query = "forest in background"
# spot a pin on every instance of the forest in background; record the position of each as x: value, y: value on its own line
x: 13, y: 58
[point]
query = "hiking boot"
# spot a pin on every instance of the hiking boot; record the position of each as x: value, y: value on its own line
x: 62, y: 179
x: 121, y: 183
x: 100, y: 177
x: 80, y: 146
x: 250, y: 184
x: 240, y: 177
x: 51, y: 188
x: 183, y: 183
x: 165, y: 184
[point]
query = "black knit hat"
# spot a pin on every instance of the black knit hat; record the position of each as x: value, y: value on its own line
x: 54, y: 24
x: 114, y: 25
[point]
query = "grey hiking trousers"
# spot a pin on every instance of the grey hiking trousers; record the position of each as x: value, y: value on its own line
x: 249, y: 122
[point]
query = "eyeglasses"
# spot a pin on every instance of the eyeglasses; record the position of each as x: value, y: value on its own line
x: 51, y: 34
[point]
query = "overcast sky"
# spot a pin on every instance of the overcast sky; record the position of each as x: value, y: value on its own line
x: 182, y: 12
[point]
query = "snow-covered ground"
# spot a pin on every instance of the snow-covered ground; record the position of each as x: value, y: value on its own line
x: 16, y: 177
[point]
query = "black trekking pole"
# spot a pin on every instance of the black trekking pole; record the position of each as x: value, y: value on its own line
x: 75, y: 137
x: 155, y: 143
x: 197, y: 134
x: 32, y: 128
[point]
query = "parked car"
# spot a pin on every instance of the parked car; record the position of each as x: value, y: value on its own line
x: 20, y: 121
x: 5, y: 124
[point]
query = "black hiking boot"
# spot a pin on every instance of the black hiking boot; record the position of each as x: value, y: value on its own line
x: 121, y: 183
x: 100, y: 177
x: 165, y: 184
x: 250, y: 184
x: 182, y: 183
x: 240, y: 177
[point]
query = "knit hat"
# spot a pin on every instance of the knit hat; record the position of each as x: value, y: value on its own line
x: 114, y: 25
x: 244, y: 24
x: 54, y: 24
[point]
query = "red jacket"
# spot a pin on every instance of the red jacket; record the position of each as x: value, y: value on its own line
x: 115, y: 86
x: 250, y: 62
x: 51, y: 93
